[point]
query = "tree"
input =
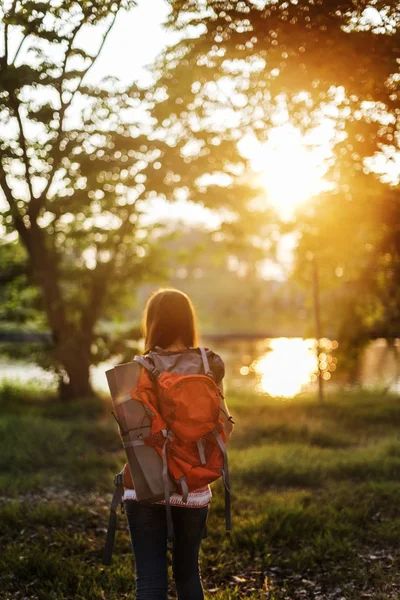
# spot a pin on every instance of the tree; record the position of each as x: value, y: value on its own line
x: 71, y: 173
x: 257, y: 64
x: 79, y: 167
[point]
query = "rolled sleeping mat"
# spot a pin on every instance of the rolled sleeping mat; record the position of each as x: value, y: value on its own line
x: 145, y: 464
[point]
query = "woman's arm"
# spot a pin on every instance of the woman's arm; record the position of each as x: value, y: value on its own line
x: 227, y: 421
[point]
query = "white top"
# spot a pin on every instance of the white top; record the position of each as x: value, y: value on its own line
x: 196, y: 499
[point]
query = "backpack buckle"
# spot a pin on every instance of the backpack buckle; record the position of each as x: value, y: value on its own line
x: 155, y: 373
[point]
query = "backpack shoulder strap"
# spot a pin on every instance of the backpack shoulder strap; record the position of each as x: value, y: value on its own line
x: 206, y: 364
x: 112, y: 523
x: 154, y: 372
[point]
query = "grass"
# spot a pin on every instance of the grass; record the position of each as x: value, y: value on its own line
x: 316, y: 490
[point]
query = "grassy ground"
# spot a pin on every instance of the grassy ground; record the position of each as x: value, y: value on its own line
x: 316, y: 491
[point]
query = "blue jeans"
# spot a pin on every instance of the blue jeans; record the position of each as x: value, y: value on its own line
x: 148, y: 532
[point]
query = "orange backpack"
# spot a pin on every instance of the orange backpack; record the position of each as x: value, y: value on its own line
x: 186, y: 429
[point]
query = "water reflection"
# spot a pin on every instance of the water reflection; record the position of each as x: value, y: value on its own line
x: 290, y: 365
x: 281, y: 367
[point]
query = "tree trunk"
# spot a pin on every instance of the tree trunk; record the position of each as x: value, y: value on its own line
x: 354, y: 359
x: 71, y: 345
x: 74, y: 380
x: 391, y: 343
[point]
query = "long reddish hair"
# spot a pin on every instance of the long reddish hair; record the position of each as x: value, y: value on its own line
x: 169, y: 316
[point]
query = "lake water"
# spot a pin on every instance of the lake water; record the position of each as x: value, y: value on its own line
x: 281, y: 367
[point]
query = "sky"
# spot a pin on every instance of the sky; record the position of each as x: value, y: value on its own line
x: 134, y: 42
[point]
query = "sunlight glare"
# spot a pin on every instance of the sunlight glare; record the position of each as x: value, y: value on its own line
x: 289, y: 169
x: 287, y: 367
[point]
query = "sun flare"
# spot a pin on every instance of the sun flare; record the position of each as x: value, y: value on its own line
x: 287, y: 367
x: 290, y: 177
x: 290, y: 168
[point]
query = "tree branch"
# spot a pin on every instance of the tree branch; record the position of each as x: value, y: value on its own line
x: 7, y: 190
x: 6, y: 25
x: 40, y: 200
x: 94, y: 306
x: 105, y: 36
x: 99, y: 287
x: 15, y: 105
x: 18, y: 221
x: 22, y: 140
x: 25, y: 37
x: 5, y: 57
x: 66, y: 105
